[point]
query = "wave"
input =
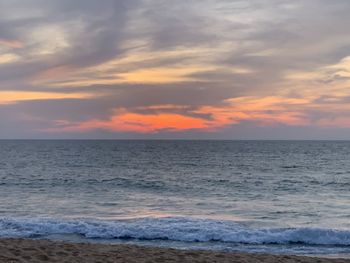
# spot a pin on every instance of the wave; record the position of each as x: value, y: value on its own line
x: 174, y: 229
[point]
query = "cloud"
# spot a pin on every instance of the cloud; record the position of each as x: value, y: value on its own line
x: 173, y: 67
x: 8, y: 58
x: 9, y: 97
x: 11, y: 43
x: 159, y: 118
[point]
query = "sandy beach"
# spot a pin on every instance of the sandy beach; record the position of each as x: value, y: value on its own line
x: 24, y: 250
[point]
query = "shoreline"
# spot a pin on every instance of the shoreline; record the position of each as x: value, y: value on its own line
x: 32, y: 250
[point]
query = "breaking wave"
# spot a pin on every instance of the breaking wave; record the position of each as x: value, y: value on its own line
x: 173, y: 228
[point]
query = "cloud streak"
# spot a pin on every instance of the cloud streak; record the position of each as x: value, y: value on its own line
x: 173, y: 118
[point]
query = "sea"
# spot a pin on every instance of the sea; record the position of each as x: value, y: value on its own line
x: 279, y: 197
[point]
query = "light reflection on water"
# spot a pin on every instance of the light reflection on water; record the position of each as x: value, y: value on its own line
x: 260, y: 184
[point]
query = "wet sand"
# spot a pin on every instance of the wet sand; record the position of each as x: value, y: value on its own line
x: 25, y: 250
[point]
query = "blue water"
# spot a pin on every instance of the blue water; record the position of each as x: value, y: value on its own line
x: 289, y: 197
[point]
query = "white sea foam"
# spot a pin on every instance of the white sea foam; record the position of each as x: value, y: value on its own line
x: 175, y: 229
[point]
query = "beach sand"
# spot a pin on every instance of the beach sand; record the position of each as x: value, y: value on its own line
x: 24, y: 250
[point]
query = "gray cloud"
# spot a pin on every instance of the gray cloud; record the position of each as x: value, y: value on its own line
x: 94, y: 31
x: 270, y: 38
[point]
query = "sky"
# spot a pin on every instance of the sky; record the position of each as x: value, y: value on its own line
x: 184, y: 69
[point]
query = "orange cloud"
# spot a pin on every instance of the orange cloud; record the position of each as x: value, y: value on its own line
x: 266, y: 111
x: 8, y: 97
x: 11, y: 43
x: 134, y: 122
x: 8, y: 58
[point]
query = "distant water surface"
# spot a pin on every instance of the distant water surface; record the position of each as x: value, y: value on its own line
x: 259, y: 196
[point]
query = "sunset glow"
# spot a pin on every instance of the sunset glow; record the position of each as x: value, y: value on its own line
x: 7, y: 97
x: 140, y: 70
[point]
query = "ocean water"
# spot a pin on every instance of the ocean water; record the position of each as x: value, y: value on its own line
x: 290, y: 197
